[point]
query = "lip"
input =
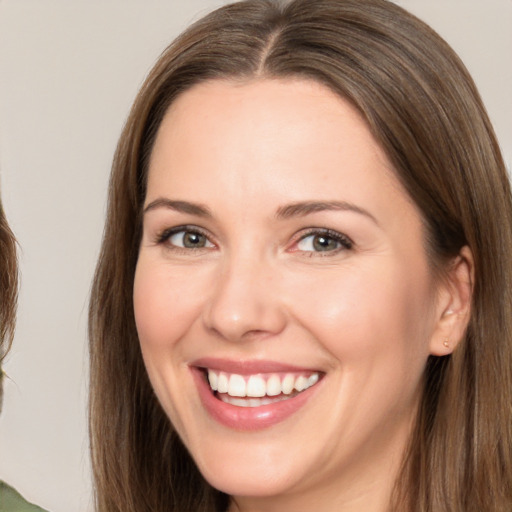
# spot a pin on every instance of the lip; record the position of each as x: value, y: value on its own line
x: 248, y: 418
x: 247, y: 367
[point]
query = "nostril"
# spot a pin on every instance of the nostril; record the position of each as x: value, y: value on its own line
x: 244, y: 322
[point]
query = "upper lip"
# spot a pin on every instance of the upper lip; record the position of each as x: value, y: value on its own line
x: 247, y: 367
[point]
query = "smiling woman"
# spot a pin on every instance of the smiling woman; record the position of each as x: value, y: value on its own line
x: 319, y: 312
x: 301, y: 300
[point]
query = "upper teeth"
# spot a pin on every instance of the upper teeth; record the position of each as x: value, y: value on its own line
x: 261, y: 384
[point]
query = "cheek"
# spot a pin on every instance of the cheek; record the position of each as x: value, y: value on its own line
x: 357, y: 312
x: 166, y: 302
x: 375, y: 325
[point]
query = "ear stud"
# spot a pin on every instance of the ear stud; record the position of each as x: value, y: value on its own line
x: 446, y: 343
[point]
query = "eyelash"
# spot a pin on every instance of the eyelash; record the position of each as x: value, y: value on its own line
x: 344, y: 241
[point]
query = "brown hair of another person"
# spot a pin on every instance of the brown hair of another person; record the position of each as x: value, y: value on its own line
x: 423, y: 107
x: 8, y: 290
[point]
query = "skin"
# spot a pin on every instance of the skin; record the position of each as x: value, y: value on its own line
x: 367, y: 316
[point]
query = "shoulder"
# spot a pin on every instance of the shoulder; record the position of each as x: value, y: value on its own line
x: 12, y: 501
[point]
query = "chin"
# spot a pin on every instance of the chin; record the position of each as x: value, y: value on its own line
x: 241, y: 467
x: 255, y: 482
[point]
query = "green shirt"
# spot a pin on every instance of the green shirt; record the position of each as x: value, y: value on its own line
x: 12, y: 501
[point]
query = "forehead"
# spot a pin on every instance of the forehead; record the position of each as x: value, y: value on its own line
x: 266, y: 109
x: 265, y: 123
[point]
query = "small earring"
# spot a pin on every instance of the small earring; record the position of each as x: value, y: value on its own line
x: 446, y: 343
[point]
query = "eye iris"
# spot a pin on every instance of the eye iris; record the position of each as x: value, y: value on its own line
x: 324, y: 243
x: 193, y: 240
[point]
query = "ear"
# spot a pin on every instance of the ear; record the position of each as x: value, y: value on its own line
x: 453, y: 304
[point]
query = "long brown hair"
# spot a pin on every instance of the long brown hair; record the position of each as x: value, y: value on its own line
x: 423, y: 107
x: 8, y: 290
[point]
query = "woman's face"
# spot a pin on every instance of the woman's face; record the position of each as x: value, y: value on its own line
x: 281, y: 255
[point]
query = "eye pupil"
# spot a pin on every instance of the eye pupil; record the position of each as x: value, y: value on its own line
x: 324, y: 243
x: 192, y: 240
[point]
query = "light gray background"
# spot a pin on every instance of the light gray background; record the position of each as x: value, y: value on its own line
x: 69, y: 70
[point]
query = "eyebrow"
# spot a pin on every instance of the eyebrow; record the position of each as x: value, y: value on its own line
x: 308, y: 207
x: 179, y: 206
x: 300, y: 209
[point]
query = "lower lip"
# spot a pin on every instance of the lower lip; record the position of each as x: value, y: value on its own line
x: 248, y: 418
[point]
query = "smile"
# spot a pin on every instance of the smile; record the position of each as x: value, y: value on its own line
x: 260, y: 389
x: 253, y: 395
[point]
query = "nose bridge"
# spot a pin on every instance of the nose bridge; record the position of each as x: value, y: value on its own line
x: 245, y: 300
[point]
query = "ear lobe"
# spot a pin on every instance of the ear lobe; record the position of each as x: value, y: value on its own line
x: 454, y: 304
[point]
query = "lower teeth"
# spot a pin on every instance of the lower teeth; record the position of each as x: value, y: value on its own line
x: 252, y: 402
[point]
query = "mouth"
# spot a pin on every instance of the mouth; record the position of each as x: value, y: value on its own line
x: 252, y: 396
x: 259, y: 389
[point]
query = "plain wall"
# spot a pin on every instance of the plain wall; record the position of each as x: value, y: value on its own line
x: 69, y: 71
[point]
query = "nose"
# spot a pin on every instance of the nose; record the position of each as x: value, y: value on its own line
x: 245, y: 301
